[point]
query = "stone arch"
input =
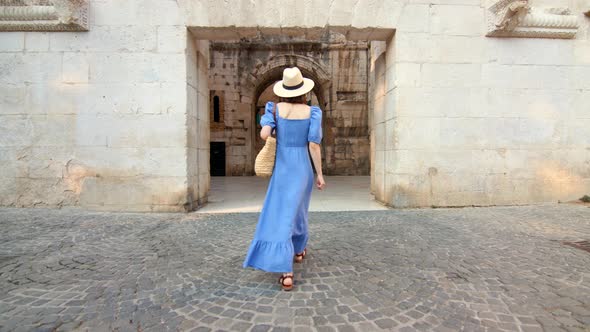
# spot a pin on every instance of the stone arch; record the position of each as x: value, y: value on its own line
x: 265, y: 74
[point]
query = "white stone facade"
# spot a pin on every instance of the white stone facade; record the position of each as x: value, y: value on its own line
x: 117, y: 117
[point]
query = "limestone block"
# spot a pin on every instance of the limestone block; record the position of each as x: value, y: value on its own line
x: 42, y: 162
x: 390, y: 135
x: 379, y: 175
x: 448, y: 2
x: 580, y: 77
x: 21, y: 131
x: 203, y: 49
x: 378, y: 113
x: 413, y: 47
x: 449, y: 161
x: 204, y: 185
x: 415, y: 133
x: 204, y: 155
x: 192, y: 157
x: 387, y: 16
x: 12, y: 99
x: 192, y: 132
x: 488, y: 161
x: 579, y: 104
x: 465, y: 132
x: 43, y: 192
x: 451, y: 75
x: 54, y: 129
x: 407, y: 74
x: 391, y: 110
x: 174, y: 99
x: 12, y: 41
x: 391, y: 162
x: 57, y: 99
x: 526, y: 51
x: 127, y: 13
x: 458, y: 49
x: 380, y: 136
x: 526, y: 77
x: 390, y: 79
x: 414, y: 18
x: 20, y: 68
x: 457, y: 20
x: 75, y: 68
x: 311, y: 10
x: 114, y: 13
x: 128, y: 191
x: 128, y: 130
x: 36, y: 41
x: 171, y: 38
x: 137, y: 68
x: 191, y: 70
x: 203, y: 107
x: 107, y: 39
x: 203, y: 134
x: 120, y: 98
x: 582, y: 51
x: 8, y: 190
x: 191, y: 105
x: 576, y: 132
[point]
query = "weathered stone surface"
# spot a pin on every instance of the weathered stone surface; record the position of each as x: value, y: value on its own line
x: 238, y: 75
x: 439, y: 270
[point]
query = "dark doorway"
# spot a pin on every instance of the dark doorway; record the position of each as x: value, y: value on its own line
x: 217, y: 159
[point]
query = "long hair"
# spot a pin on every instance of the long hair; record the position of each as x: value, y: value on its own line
x: 294, y: 100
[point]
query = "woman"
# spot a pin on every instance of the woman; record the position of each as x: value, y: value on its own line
x: 281, y: 233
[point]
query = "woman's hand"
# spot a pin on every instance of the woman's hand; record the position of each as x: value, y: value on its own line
x: 320, y: 183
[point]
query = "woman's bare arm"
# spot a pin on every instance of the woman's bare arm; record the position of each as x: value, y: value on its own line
x: 265, y: 132
x: 316, y: 156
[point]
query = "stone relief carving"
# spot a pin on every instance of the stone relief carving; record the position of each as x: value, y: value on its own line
x: 43, y: 15
x: 515, y: 18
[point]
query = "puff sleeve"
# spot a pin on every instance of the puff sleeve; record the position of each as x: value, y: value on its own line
x: 315, y: 125
x: 268, y: 119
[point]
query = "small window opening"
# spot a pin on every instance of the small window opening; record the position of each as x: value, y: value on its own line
x: 216, y: 109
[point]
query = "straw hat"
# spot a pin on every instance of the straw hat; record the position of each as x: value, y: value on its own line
x: 293, y: 84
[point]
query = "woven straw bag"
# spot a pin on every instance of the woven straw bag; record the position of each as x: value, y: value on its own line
x: 265, y: 160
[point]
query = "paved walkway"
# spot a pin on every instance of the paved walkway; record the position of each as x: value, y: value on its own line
x: 471, y: 269
x: 246, y: 194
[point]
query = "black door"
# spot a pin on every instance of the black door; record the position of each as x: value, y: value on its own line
x: 217, y: 159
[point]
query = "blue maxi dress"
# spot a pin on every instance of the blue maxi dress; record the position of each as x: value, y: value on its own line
x: 282, y: 226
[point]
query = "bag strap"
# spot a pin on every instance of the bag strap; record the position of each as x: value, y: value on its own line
x: 274, y: 115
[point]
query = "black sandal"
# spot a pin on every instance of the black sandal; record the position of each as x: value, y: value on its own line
x: 299, y: 257
x: 286, y: 287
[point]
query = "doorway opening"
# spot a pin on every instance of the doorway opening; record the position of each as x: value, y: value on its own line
x: 243, y: 64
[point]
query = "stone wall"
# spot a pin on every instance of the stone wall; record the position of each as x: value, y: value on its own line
x: 98, y: 118
x: 105, y: 118
x: 235, y: 77
x: 476, y: 120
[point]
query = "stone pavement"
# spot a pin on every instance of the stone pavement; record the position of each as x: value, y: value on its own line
x: 471, y: 269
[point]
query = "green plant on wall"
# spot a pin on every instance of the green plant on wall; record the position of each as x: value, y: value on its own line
x: 585, y: 199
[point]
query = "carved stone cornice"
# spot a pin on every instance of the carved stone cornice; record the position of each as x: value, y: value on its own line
x: 43, y: 15
x: 515, y: 18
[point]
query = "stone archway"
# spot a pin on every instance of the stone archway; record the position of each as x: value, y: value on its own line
x: 264, y: 75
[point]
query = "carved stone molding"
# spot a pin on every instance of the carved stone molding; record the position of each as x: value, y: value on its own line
x: 43, y: 15
x: 515, y: 18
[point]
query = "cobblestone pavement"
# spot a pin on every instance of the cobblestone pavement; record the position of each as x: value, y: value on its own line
x: 471, y: 269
